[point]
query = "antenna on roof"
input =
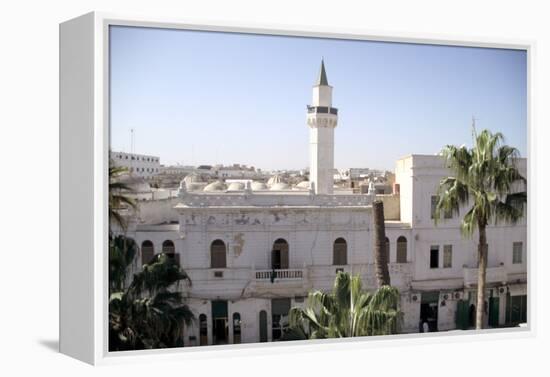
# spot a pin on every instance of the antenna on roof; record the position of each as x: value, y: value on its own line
x: 132, y: 140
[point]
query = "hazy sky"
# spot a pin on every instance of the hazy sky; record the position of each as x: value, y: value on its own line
x: 205, y: 98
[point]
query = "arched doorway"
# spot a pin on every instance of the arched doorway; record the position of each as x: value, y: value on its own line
x: 203, y: 330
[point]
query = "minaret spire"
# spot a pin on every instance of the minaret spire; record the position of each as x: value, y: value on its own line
x: 322, y: 118
x: 322, y: 80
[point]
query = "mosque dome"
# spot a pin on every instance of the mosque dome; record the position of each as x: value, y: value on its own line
x: 275, y: 179
x: 279, y: 186
x: 303, y: 185
x: 215, y: 186
x: 235, y: 186
x: 258, y: 186
x: 192, y: 178
x: 195, y: 186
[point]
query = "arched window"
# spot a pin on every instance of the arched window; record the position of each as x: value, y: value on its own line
x: 218, y: 254
x: 401, y: 250
x: 387, y: 250
x: 340, y: 252
x: 147, y: 251
x: 203, y: 330
x: 279, y: 255
x: 236, y: 328
x: 169, y: 249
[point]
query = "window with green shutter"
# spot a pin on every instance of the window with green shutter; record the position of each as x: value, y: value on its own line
x: 447, y: 256
x: 517, y: 253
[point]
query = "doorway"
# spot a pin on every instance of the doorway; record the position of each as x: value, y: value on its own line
x: 219, y: 322
x: 429, y: 306
x: 494, y: 304
x: 279, y: 320
x: 263, y: 326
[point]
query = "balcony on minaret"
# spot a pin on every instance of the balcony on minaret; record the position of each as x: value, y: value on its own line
x: 322, y: 110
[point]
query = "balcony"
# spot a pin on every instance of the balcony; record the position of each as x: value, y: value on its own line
x: 322, y: 110
x: 278, y: 275
x: 281, y: 282
x: 495, y: 275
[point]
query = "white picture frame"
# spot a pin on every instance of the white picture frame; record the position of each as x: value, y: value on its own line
x: 84, y: 145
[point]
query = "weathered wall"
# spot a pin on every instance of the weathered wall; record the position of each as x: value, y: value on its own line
x: 391, y: 206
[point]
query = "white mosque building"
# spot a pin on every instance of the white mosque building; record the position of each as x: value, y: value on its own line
x: 255, y: 250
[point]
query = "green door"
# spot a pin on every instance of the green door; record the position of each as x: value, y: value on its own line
x: 516, y: 309
x: 493, y: 311
x: 462, y: 315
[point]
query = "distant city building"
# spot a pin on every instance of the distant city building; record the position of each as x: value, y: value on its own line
x: 137, y: 164
x: 176, y: 170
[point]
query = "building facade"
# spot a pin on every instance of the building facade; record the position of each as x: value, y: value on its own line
x: 139, y: 165
x: 253, y: 252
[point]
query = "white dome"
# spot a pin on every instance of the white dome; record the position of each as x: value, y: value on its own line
x: 235, y: 186
x: 275, y: 179
x: 303, y: 185
x: 195, y: 186
x: 215, y: 186
x: 258, y: 186
x: 280, y: 186
x: 192, y: 178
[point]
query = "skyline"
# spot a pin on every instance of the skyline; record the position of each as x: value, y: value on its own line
x: 210, y: 97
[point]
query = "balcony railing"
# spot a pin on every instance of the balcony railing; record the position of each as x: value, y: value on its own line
x: 493, y: 275
x: 322, y: 110
x: 285, y: 274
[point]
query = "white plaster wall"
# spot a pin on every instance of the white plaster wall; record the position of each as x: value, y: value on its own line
x: 322, y: 96
x: 411, y: 314
x: 446, y: 315
x: 403, y: 176
x: 157, y: 211
x: 321, y: 146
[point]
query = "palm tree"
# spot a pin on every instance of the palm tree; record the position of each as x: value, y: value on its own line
x: 150, y: 312
x: 485, y: 179
x: 347, y: 311
x: 380, y: 246
x: 118, y: 198
x: 122, y: 252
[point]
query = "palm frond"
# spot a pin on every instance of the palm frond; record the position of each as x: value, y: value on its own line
x: 347, y: 311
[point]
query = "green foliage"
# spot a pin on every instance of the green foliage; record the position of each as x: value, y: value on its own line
x: 347, y: 311
x: 484, y: 177
x: 118, y: 196
x: 122, y: 252
x: 150, y: 311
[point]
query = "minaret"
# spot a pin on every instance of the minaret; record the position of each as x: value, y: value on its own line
x: 322, y: 118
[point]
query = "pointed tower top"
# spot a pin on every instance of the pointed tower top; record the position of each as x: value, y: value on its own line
x: 322, y: 80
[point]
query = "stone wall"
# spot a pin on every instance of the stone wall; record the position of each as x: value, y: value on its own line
x: 391, y: 206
